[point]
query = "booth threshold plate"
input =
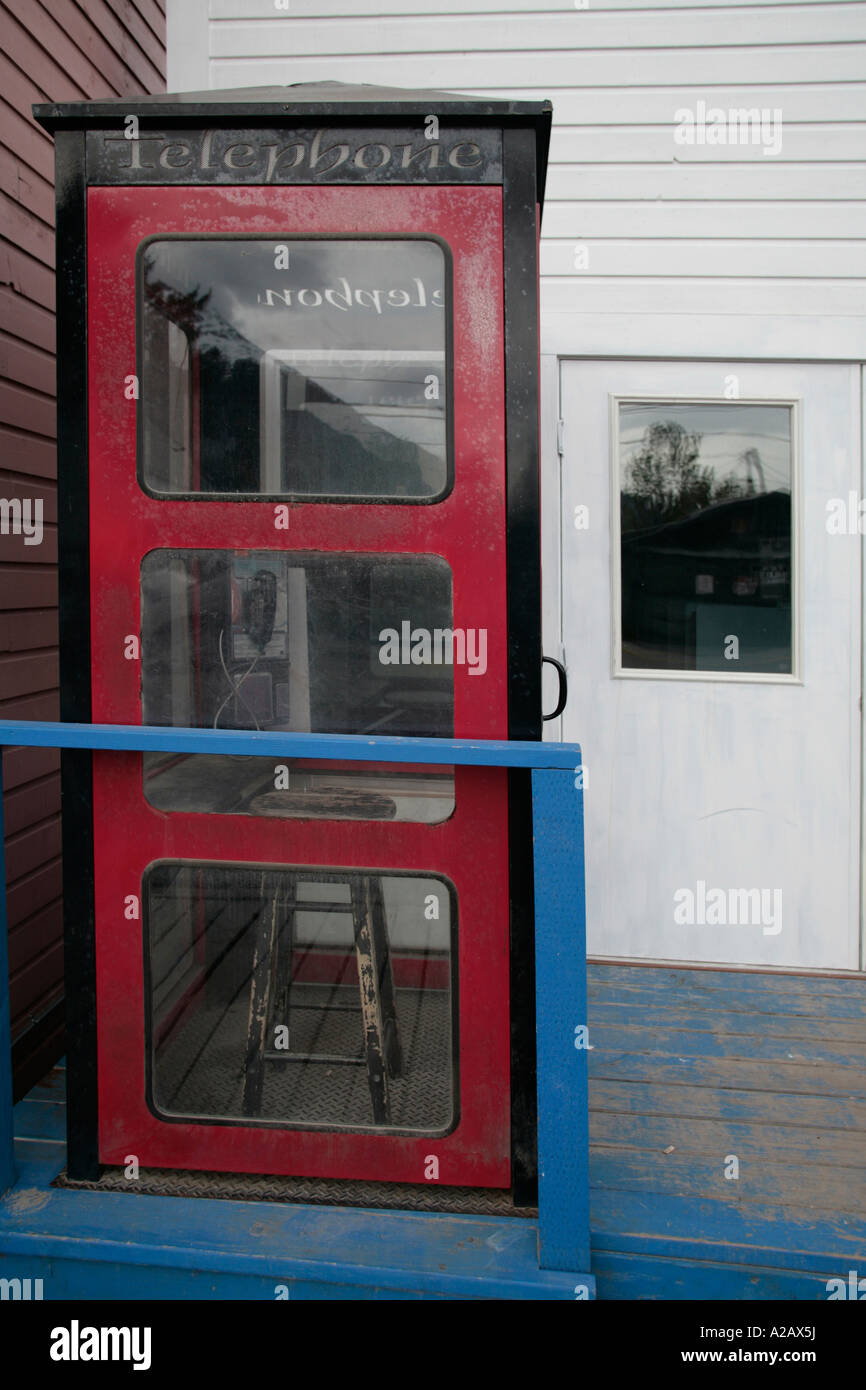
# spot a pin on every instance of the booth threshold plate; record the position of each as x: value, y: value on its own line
x: 247, y: 1187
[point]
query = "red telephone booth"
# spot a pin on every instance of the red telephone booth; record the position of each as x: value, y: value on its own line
x: 299, y: 473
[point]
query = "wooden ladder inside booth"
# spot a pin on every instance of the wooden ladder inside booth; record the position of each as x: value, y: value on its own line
x: 271, y: 983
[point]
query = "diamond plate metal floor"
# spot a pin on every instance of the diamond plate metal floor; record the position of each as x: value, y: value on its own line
x: 199, y: 1067
x: 467, y: 1201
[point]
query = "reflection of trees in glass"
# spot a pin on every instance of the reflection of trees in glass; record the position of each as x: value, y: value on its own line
x: 227, y: 383
x: 202, y: 322
x: 666, y: 481
x: 185, y: 308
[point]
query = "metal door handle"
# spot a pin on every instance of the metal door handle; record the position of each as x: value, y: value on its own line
x: 563, y: 688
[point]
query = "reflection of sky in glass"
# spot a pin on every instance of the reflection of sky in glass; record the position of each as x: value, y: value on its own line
x: 238, y: 273
x: 727, y: 430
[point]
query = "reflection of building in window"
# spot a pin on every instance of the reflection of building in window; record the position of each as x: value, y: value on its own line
x: 336, y: 423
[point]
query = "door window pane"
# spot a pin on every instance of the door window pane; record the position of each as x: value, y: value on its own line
x: 298, y: 997
x: 311, y: 369
x: 277, y: 641
x: 706, y: 536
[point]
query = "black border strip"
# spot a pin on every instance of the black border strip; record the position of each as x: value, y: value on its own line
x: 523, y: 568
x: 82, y: 1159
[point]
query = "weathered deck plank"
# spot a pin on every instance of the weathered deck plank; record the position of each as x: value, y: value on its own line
x: 839, y: 1147
x: 706, y: 1064
x: 752, y: 1003
x: 814, y: 1187
x: 648, y: 1098
x: 809, y: 996
x: 728, y: 1022
x: 729, y: 1073
x: 731, y: 980
x: 680, y: 1042
x: 40, y: 1119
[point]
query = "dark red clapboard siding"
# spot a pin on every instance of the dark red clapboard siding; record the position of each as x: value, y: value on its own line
x: 31, y: 804
x: 141, y: 58
x: 30, y: 143
x: 26, y: 276
x: 20, y: 631
x: 26, y: 365
x: 30, y: 322
x: 35, y: 671
x: 18, y: 485
x: 29, y: 851
x: 53, y: 78
x: 19, y: 88
x: 24, y: 454
x: 50, y: 50
x: 23, y: 229
x: 26, y: 187
x: 34, y: 891
x: 20, y: 765
x: 29, y: 588
x: 27, y: 410
x: 34, y: 935
x: 25, y: 588
x: 86, y: 45
x: 27, y: 986
x: 145, y: 21
x: 37, y: 1046
x: 43, y: 705
x: 16, y: 548
x: 58, y: 48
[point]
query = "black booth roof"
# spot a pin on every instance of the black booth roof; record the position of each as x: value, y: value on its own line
x: 321, y: 99
x: 318, y: 100
x: 299, y: 98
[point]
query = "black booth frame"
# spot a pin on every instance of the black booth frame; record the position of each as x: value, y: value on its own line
x: 525, y: 129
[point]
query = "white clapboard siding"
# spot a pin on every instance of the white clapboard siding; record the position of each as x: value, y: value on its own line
x: 821, y: 103
x: 460, y: 72
x: 716, y: 237
x: 656, y: 145
x: 681, y: 221
x: 764, y: 184
x: 355, y: 9
x: 584, y: 294
x: 288, y: 35
x: 777, y: 260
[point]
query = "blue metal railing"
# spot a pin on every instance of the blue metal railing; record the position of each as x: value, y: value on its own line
x: 560, y: 935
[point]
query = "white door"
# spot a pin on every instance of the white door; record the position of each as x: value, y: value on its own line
x: 711, y: 620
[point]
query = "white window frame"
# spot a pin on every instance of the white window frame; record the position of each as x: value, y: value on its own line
x: 618, y: 671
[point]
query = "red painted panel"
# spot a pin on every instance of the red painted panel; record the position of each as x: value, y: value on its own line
x: 467, y: 529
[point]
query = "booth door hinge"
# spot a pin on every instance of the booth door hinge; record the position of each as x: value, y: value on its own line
x: 560, y: 437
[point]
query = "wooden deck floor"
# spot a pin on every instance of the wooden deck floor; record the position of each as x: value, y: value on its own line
x: 691, y: 1069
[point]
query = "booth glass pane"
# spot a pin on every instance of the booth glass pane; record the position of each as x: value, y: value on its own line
x: 312, y: 369
x: 298, y: 997
x: 303, y: 642
x: 706, y: 536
